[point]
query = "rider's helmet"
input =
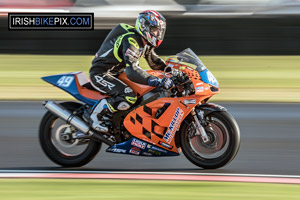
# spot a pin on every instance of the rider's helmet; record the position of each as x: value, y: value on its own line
x: 151, y: 25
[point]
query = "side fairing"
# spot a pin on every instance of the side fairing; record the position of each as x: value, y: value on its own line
x: 158, y: 122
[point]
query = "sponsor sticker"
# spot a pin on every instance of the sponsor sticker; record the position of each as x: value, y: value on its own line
x: 199, y: 89
x: 190, y: 68
x: 149, y: 146
x: 190, y: 101
x: 165, y: 145
x: 135, y: 151
x: 178, y: 115
x: 138, y: 143
x: 154, y: 152
x: 170, y: 65
x: 117, y: 150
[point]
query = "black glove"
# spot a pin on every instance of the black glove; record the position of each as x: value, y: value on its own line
x: 165, y: 83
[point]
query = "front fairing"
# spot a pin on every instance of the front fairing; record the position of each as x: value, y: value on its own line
x: 208, y: 77
x: 189, y: 58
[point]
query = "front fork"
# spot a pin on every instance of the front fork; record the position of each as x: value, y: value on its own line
x: 199, y: 125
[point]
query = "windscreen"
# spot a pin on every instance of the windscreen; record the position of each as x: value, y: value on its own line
x: 189, y: 56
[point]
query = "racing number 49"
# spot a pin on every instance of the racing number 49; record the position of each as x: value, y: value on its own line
x: 65, y: 81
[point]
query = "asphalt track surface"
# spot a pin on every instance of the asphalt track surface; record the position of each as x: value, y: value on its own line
x: 270, y: 139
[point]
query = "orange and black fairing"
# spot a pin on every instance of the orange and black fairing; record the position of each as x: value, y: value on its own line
x: 157, y: 122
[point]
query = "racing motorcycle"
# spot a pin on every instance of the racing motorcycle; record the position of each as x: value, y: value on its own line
x: 160, y: 123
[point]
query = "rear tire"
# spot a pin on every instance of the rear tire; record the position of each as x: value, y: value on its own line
x: 225, y: 141
x: 50, y: 130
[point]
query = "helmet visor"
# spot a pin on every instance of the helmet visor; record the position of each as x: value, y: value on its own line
x: 158, y: 31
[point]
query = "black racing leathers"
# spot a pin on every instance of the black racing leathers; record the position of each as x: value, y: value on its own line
x: 121, y: 51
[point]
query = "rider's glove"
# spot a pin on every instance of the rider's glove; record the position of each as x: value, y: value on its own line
x: 154, y: 82
x: 166, y: 83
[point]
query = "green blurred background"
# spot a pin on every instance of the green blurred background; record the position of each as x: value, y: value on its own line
x: 32, y: 189
x: 241, y: 78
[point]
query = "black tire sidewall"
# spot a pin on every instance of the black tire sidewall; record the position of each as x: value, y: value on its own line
x: 56, y: 156
x: 227, y: 156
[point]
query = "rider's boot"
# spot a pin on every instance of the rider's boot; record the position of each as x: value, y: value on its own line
x: 98, y: 111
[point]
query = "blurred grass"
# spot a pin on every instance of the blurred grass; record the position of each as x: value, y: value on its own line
x: 241, y: 78
x: 31, y: 189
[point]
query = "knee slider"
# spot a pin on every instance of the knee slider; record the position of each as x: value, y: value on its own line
x: 123, y: 106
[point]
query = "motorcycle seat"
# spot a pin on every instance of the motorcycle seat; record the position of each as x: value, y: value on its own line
x: 85, y: 88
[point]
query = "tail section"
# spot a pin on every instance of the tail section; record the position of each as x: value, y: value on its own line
x: 73, y: 83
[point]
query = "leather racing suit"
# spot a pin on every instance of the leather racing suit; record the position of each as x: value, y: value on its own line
x: 121, y: 51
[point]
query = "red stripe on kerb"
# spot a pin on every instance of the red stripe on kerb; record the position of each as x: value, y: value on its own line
x: 173, y: 177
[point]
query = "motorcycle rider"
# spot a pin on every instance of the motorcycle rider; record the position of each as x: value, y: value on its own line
x: 120, y: 51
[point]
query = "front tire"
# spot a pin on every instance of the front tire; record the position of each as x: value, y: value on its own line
x: 224, y: 135
x: 57, y: 143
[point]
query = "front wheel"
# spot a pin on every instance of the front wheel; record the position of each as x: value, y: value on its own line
x: 223, y: 145
x: 56, y: 140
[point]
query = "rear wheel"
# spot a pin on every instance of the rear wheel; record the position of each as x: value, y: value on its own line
x: 56, y: 139
x: 224, y: 141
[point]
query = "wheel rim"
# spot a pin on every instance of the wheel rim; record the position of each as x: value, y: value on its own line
x: 62, y: 140
x: 219, y: 140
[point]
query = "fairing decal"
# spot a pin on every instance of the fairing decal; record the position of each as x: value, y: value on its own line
x: 135, y: 146
x: 208, y: 77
